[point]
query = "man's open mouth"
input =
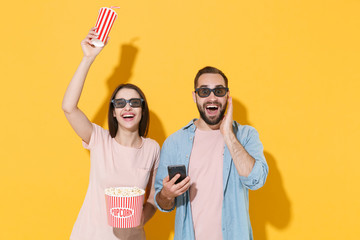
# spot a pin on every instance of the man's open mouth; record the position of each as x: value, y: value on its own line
x: 211, y: 108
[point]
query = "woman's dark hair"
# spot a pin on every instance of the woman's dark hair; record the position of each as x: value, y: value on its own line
x: 145, y: 117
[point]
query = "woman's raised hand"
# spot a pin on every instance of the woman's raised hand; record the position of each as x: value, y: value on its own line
x: 89, y: 50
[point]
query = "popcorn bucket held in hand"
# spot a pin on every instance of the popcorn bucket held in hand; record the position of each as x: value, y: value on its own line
x: 104, y: 23
x: 124, y: 206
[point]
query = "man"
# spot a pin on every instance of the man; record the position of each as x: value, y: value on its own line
x: 223, y: 159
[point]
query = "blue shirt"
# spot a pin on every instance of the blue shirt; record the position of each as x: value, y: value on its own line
x: 235, y: 210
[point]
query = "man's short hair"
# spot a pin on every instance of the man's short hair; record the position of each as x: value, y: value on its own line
x: 209, y: 69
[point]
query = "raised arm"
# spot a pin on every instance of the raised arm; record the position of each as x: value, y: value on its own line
x: 77, y: 119
x: 244, y: 163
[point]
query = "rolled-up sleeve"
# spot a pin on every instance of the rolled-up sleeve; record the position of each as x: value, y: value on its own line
x: 165, y: 156
x: 254, y: 147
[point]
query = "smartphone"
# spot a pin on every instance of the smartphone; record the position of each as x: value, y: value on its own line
x: 175, y: 169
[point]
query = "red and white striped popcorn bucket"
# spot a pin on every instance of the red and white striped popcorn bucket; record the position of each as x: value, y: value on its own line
x: 124, y: 211
x: 105, y: 21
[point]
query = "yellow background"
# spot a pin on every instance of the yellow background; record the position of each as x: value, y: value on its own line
x: 294, y: 75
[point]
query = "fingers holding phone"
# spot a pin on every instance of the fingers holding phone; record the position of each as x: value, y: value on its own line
x: 176, y: 183
x: 174, y: 170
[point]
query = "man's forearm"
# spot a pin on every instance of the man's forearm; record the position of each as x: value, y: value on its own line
x: 244, y: 163
x: 164, y: 202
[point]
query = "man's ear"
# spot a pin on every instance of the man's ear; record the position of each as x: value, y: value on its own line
x: 194, y: 96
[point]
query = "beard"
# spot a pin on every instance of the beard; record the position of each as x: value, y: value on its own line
x: 213, y: 120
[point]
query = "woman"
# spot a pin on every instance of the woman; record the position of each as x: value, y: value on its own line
x: 120, y: 156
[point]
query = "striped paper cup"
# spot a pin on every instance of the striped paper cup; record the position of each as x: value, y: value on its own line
x: 124, y: 211
x: 105, y: 21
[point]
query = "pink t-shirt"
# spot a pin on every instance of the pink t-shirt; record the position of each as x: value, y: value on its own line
x: 114, y: 165
x: 206, y: 190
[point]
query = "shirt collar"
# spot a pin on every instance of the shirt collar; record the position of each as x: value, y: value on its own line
x: 191, y: 125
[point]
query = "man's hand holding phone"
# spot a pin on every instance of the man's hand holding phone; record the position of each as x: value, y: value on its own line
x: 171, y: 190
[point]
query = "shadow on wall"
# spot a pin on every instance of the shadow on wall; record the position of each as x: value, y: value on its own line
x: 121, y: 74
x: 269, y: 204
x: 161, y: 226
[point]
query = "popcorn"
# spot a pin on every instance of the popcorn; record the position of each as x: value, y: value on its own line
x: 124, y: 191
